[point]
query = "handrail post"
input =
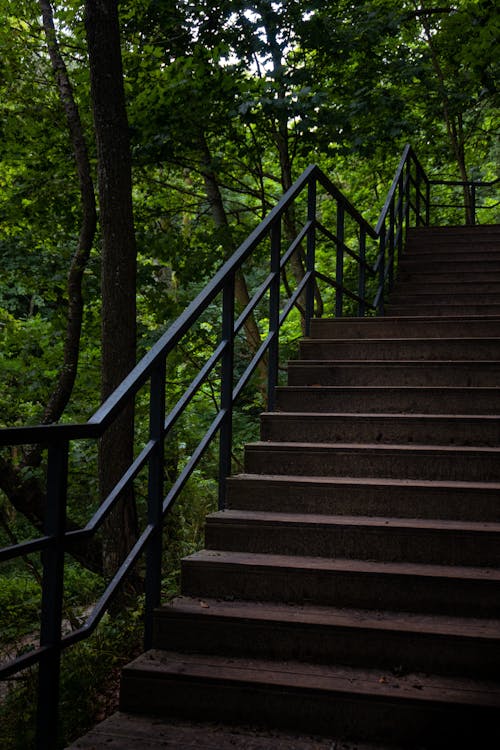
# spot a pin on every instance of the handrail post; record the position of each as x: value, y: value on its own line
x: 417, y: 195
x: 52, y: 597
x: 311, y: 253
x: 227, y: 366
x: 401, y: 188
x: 362, y: 273
x: 391, y: 250
x: 274, y: 312
x: 427, y: 202
x: 383, y: 238
x: 339, y: 265
x: 473, y: 203
x: 155, y: 498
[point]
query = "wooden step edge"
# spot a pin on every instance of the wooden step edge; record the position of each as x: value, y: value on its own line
x: 307, y: 481
x: 484, y: 629
x: 381, y: 320
x: 361, y: 416
x: 301, y: 676
x: 380, y: 448
x: 468, y: 390
x: 231, y: 516
x: 465, y: 363
x: 262, y: 561
x: 402, y: 339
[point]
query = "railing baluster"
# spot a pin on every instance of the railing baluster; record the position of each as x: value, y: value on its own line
x: 362, y: 273
x: 418, y: 220
x: 155, y: 498
x: 274, y: 314
x: 227, y: 365
x: 339, y: 265
x: 381, y: 283
x: 311, y: 253
x: 400, y: 215
x: 52, y: 597
x: 391, y: 250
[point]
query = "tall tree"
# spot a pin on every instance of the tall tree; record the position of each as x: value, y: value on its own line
x: 118, y: 260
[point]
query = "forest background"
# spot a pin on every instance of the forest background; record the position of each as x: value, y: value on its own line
x: 217, y: 108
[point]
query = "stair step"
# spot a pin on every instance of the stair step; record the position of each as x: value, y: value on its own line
x: 320, y: 427
x: 122, y: 731
x: 332, y: 700
x: 365, y: 584
x: 360, y: 537
x: 395, y: 373
x: 409, y: 278
x: 374, y: 460
x: 451, y: 308
x: 431, y: 262
x: 388, y: 399
x: 396, y: 641
x: 431, y: 499
x: 428, y: 255
x: 463, y: 287
x: 466, y: 348
x: 446, y: 298
x: 404, y: 327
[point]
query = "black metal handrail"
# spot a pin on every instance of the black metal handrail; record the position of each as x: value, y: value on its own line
x: 472, y: 187
x: 407, y: 202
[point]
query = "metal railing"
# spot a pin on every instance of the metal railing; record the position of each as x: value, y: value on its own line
x: 471, y: 204
x: 330, y: 221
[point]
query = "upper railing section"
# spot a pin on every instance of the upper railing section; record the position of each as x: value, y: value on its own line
x: 313, y: 254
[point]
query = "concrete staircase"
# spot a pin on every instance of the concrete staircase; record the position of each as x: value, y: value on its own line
x: 352, y: 588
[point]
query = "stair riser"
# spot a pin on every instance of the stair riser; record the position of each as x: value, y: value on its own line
x: 384, y: 544
x: 389, y: 401
x: 386, y: 328
x: 451, y: 309
x: 404, y: 501
x: 457, y: 374
x: 488, y: 291
x: 372, y: 429
x: 447, y: 297
x: 460, y: 255
x: 466, y: 349
x: 366, y: 463
x: 311, y: 711
x: 373, y: 590
x: 316, y: 643
x: 408, y: 278
x: 455, y: 268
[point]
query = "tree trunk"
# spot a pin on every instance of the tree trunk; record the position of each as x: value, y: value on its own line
x: 67, y: 374
x: 118, y: 266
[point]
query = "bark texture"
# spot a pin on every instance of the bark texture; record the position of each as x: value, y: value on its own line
x: 118, y: 274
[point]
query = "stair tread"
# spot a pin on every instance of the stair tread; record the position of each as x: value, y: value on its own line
x: 397, y: 318
x: 379, y: 447
x: 382, y: 339
x: 316, y: 519
x: 466, y: 627
x: 292, y: 675
x: 367, y: 481
x: 393, y: 362
x: 385, y: 388
x: 377, y: 415
x: 263, y: 560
